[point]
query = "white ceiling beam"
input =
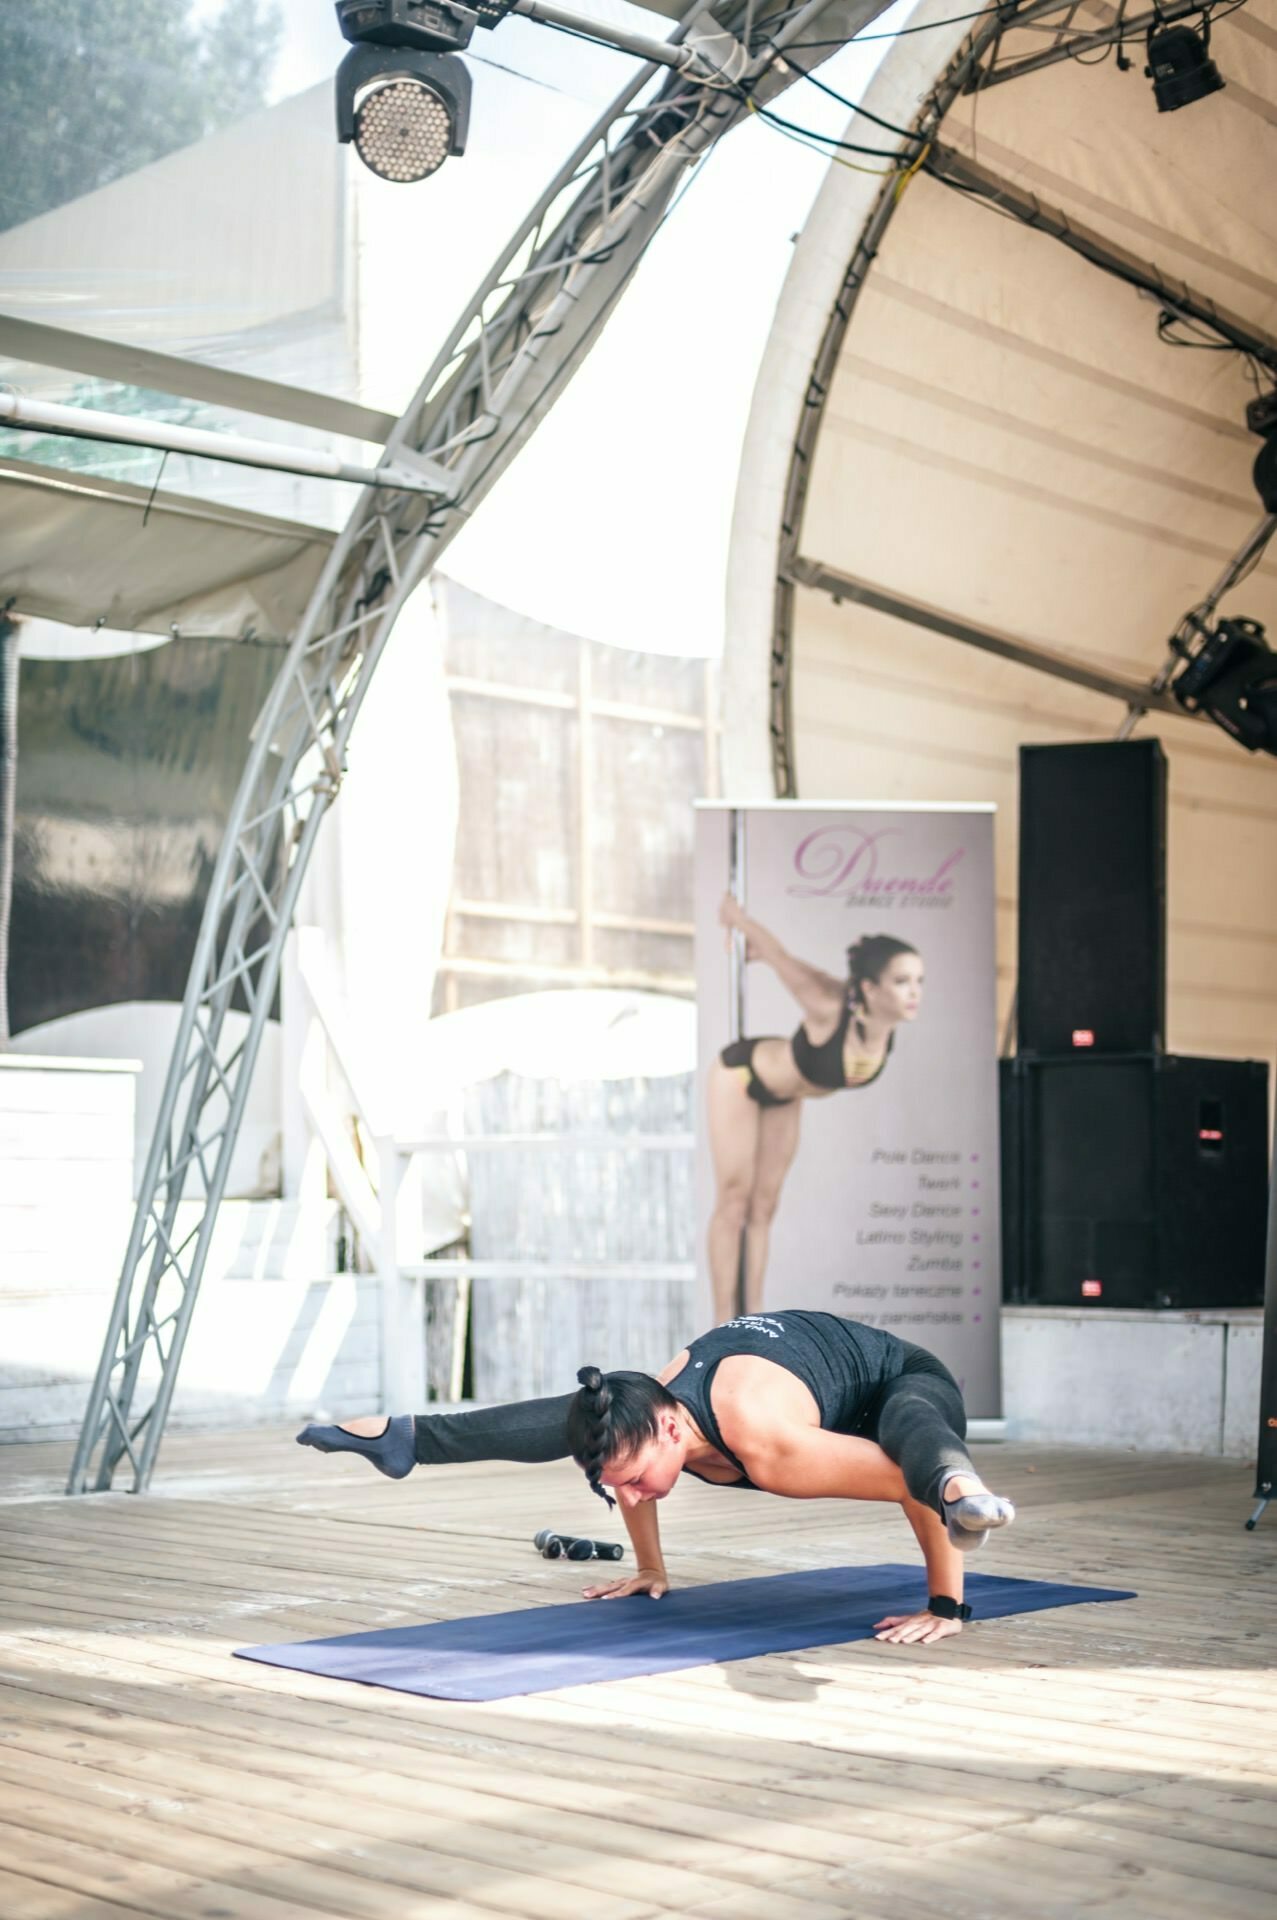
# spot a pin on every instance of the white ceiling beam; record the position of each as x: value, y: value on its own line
x: 74, y: 352
x: 1025, y: 653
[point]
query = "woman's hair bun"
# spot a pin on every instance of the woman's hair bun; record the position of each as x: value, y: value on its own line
x: 590, y: 1378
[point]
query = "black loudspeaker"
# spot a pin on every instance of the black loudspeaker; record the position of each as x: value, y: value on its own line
x: 1092, y: 940
x: 1139, y: 1181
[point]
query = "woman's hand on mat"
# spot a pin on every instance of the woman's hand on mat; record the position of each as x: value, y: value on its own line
x: 915, y: 1629
x: 646, y: 1580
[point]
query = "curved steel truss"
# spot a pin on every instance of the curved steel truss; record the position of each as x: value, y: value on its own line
x: 516, y: 344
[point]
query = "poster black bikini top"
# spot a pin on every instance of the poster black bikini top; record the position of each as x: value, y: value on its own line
x: 823, y: 1064
x: 842, y: 1363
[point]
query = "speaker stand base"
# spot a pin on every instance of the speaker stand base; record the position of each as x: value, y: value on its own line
x: 1257, y: 1515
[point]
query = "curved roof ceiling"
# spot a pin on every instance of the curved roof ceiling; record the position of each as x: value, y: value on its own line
x: 1005, y: 436
x: 1003, y: 408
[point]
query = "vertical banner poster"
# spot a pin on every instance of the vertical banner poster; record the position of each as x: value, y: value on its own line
x: 847, y: 1136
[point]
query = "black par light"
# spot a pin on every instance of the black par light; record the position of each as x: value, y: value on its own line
x: 403, y: 96
x: 1232, y: 679
x: 1180, y: 66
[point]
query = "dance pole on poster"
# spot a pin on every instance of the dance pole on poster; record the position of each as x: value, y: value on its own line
x: 736, y: 957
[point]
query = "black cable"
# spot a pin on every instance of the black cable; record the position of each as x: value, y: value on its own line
x: 888, y: 126
x: 1167, y: 320
x: 1256, y: 370
x: 973, y: 193
x: 928, y: 26
x: 1210, y: 10
x: 827, y: 139
x: 568, y: 364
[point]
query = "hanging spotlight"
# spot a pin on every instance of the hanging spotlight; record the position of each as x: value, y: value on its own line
x: 403, y: 97
x: 1180, y: 66
x: 1231, y: 677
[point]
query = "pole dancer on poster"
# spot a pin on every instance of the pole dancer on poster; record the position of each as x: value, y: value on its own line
x: 756, y: 1086
x: 805, y: 1405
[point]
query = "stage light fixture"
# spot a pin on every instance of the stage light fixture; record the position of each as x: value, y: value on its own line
x: 1230, y: 675
x: 1180, y: 66
x: 403, y: 97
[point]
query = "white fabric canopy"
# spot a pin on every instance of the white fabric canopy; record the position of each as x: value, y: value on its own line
x: 1006, y: 437
x: 83, y: 550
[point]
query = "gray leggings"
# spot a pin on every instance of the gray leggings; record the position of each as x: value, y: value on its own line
x: 526, y: 1430
x: 917, y: 1419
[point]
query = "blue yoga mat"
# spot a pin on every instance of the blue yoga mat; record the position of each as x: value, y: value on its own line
x: 493, y: 1655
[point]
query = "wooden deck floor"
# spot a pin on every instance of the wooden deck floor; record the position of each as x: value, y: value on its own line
x: 1097, y: 1760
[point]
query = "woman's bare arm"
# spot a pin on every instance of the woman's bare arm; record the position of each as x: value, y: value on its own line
x: 944, y: 1563
x: 944, y: 1575
x: 808, y: 1463
x: 643, y: 1525
x: 819, y: 994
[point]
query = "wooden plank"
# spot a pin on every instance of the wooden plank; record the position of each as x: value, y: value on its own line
x: 257, y: 1843
x: 1085, y: 1760
x: 32, y: 1899
x: 183, y: 1891
x: 788, y: 1822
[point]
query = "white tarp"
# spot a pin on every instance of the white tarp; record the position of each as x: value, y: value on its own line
x: 85, y: 551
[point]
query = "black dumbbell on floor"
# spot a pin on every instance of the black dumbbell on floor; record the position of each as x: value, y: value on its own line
x: 568, y: 1546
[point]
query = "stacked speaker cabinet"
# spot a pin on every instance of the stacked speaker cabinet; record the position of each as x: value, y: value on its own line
x: 1134, y: 1181
x: 1130, y: 1177
x: 1092, y: 961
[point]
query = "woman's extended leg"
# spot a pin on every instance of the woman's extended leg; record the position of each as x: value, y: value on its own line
x: 778, y: 1134
x: 921, y: 1424
x: 526, y: 1430
x: 733, y: 1139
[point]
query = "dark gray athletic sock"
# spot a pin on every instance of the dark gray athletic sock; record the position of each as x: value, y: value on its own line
x: 390, y: 1452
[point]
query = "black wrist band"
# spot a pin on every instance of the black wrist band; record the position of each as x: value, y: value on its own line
x: 946, y: 1609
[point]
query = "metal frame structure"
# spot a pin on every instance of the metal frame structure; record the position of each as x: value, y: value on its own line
x: 967, y: 73
x: 514, y: 346
x: 189, y: 379
x: 845, y: 586
x: 117, y: 429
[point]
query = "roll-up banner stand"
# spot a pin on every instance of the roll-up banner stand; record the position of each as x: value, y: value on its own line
x: 864, y: 933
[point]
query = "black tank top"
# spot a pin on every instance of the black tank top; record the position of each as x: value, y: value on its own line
x: 823, y: 1064
x: 842, y: 1362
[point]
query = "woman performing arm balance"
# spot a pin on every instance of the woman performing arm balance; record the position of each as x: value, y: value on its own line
x: 756, y: 1086
x: 807, y: 1405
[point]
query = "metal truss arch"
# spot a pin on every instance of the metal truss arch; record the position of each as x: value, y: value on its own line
x: 515, y: 344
